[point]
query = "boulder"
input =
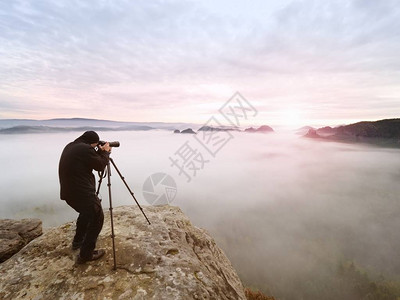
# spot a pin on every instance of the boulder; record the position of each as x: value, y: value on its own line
x: 15, y: 234
x: 169, y: 259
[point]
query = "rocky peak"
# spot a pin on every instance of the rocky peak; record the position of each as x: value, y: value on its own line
x: 169, y: 259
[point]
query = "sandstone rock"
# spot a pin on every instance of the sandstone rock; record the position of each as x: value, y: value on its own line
x: 15, y: 234
x: 169, y: 259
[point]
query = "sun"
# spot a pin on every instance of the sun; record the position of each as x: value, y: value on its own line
x: 292, y: 118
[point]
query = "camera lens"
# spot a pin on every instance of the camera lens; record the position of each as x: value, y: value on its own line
x: 114, y: 144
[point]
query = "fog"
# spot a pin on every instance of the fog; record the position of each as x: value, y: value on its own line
x: 286, y: 210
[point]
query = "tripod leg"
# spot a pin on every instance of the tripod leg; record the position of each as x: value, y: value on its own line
x: 100, y: 181
x: 133, y: 196
x: 111, y: 213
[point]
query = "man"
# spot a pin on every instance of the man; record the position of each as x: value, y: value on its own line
x: 78, y: 189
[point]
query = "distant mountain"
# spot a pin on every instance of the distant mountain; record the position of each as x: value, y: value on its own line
x: 50, y: 129
x: 304, y: 130
x: 382, y: 132
x: 312, y: 133
x: 387, y: 129
x: 263, y: 129
x: 210, y: 128
x: 189, y: 130
x: 326, y: 131
x: 14, y: 126
x: 71, y: 122
x: 323, y: 131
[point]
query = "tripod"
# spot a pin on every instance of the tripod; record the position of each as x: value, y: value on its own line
x: 108, y: 170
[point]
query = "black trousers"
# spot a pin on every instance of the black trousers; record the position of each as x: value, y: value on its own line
x: 88, y: 226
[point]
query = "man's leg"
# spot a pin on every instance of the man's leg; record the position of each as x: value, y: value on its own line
x: 81, y: 227
x: 81, y: 224
x: 95, y: 216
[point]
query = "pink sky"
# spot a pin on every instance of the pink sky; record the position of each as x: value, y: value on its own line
x: 298, y: 62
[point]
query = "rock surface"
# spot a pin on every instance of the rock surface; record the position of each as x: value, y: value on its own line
x: 15, y: 234
x: 169, y: 259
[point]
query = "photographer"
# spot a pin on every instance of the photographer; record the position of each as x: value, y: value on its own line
x: 78, y: 188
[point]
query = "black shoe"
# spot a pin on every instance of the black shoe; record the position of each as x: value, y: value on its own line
x: 95, y: 255
x: 75, y: 246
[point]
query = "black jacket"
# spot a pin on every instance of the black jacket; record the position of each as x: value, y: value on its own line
x: 77, y: 182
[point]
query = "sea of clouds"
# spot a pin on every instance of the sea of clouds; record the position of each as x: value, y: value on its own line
x: 281, y: 206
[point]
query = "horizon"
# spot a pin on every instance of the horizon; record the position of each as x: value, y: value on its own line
x: 281, y: 126
x: 297, y: 63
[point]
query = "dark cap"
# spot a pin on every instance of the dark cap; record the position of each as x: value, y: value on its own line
x: 89, y: 137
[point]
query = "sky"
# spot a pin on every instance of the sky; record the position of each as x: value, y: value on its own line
x: 297, y: 62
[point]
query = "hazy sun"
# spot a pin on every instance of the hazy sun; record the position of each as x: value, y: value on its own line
x: 292, y: 118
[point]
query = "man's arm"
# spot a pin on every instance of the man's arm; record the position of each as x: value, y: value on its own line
x: 99, y: 160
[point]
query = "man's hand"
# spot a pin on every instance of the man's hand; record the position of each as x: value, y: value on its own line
x: 105, y: 147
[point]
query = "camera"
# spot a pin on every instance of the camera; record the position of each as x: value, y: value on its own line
x: 112, y: 144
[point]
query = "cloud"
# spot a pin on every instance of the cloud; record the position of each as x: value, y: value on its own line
x: 284, y: 208
x: 73, y: 50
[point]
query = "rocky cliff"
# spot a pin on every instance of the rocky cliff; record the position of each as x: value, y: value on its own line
x: 15, y: 234
x: 169, y: 259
